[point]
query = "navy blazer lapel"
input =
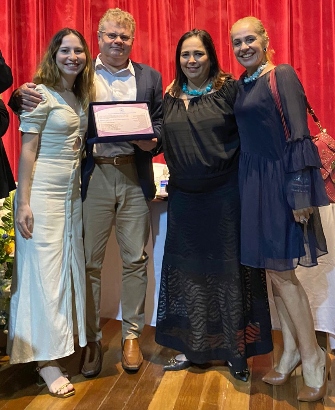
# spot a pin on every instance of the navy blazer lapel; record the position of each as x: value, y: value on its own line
x: 141, y: 84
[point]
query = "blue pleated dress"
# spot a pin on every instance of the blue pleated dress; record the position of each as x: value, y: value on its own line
x: 277, y: 175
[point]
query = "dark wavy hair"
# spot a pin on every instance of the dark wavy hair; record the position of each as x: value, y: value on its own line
x: 216, y: 74
x: 49, y: 74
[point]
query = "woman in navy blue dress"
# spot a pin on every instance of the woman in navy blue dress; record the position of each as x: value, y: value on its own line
x: 281, y: 188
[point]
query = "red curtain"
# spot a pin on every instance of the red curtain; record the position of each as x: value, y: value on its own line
x: 302, y: 32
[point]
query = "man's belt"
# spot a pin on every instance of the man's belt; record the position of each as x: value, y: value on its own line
x: 118, y: 160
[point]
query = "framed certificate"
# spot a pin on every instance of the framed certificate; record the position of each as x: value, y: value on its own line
x: 115, y: 121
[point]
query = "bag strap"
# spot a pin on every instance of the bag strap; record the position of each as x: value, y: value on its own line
x: 315, y: 118
x: 276, y: 96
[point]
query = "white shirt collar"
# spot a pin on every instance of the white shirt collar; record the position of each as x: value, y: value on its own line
x: 101, y: 65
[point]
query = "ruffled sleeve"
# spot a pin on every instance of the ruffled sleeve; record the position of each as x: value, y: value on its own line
x: 302, y: 163
x: 34, y: 121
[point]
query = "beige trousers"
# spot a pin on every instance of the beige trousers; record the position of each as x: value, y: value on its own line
x: 114, y: 194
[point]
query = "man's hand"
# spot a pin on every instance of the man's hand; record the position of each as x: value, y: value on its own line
x: 29, y: 97
x: 146, y: 145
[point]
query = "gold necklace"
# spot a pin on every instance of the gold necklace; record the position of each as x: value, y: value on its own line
x: 61, y: 89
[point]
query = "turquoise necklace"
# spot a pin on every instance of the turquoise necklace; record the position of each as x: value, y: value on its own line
x: 256, y: 74
x: 196, y: 93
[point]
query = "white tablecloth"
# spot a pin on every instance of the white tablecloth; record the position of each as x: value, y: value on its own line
x: 319, y: 282
x: 112, y: 268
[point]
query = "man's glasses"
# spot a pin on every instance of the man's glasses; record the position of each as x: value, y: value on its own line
x: 114, y: 36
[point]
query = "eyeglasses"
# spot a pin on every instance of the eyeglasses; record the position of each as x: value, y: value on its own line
x: 113, y: 36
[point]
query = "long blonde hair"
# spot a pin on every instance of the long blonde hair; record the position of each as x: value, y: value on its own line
x: 49, y: 74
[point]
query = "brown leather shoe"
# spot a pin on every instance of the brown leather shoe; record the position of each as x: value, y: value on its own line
x: 132, y: 357
x: 92, y: 359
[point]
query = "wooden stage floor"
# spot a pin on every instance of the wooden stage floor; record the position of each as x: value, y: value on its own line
x: 151, y: 388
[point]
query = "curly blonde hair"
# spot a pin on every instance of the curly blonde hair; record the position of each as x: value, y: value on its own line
x: 49, y: 74
x: 123, y: 18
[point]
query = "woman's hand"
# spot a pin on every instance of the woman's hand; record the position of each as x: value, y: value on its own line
x: 302, y: 215
x: 145, y: 145
x: 24, y: 219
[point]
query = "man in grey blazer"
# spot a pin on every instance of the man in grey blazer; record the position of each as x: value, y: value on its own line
x: 117, y: 183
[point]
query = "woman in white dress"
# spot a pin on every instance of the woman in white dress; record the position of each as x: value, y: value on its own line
x: 50, y: 266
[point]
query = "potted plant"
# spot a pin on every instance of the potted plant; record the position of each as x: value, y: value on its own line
x: 7, y: 248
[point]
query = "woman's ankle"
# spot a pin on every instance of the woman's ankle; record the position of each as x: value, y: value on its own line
x: 313, y: 368
x: 181, y: 358
x: 53, y: 377
x: 288, y: 361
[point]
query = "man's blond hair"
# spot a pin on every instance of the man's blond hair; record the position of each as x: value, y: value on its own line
x: 119, y: 16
